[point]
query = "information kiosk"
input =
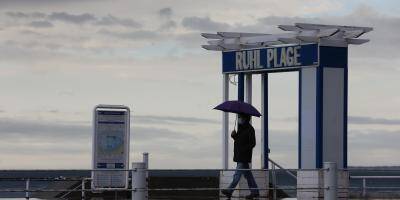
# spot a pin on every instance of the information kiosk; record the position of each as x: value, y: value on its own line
x: 110, y: 159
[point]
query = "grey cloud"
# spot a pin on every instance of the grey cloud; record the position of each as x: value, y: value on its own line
x: 371, y: 120
x: 361, y: 120
x: 71, y: 18
x: 112, y: 20
x: 52, y: 46
x: 165, y: 12
x: 22, y: 129
x: 371, y: 139
x: 42, y: 137
x: 364, y: 10
x: 40, y: 24
x: 66, y: 93
x: 16, y: 14
x: 53, y: 111
x: 58, y: 148
x: 150, y: 119
x: 38, y: 3
x: 190, y: 40
x: 83, y: 18
x: 200, y: 149
x: 275, y: 20
x: 29, y: 32
x: 204, y: 24
x: 361, y: 143
x: 152, y: 134
x: 168, y: 25
x: 44, y: 130
x: 131, y: 35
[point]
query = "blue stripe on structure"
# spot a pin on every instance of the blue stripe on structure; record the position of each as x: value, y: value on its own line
x: 101, y: 165
x: 241, y: 87
x: 299, y: 120
x: 335, y: 57
x: 265, y: 117
x: 319, y: 120
x: 111, y: 112
x: 345, y: 117
x: 119, y: 165
x: 110, y: 122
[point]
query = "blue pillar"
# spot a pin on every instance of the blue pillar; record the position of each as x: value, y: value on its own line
x: 345, y: 116
x: 264, y: 121
x: 241, y: 87
x: 319, y: 120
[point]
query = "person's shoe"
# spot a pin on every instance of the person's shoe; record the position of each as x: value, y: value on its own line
x: 227, y: 193
x: 252, y: 196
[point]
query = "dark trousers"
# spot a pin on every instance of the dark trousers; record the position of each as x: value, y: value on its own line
x: 247, y: 174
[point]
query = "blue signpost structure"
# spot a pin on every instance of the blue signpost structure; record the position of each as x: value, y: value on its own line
x: 320, y: 54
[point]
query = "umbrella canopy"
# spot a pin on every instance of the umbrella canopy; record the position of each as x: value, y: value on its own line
x: 238, y: 107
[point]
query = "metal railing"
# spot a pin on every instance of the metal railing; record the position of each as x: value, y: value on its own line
x: 273, y: 172
x: 274, y: 165
x: 134, y: 189
x: 140, y: 191
x: 364, y: 186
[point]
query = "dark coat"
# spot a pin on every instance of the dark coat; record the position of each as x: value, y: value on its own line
x: 245, y: 141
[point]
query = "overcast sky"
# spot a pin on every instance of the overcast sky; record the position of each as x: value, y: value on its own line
x: 58, y: 59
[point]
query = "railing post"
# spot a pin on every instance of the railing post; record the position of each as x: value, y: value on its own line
x: 132, y: 182
x: 146, y: 163
x: 330, y: 181
x: 146, y: 159
x: 83, y: 189
x: 364, y: 187
x: 27, y: 188
x: 274, y: 197
x: 139, y: 186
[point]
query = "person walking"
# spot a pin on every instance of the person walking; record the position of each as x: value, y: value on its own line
x: 244, y: 142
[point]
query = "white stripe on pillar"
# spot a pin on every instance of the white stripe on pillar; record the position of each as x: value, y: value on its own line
x: 248, y: 88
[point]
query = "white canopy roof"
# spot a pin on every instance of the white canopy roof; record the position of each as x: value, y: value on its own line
x: 299, y: 33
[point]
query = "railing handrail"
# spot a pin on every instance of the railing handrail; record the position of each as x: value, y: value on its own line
x: 72, y: 190
x: 375, y: 177
x: 280, y: 167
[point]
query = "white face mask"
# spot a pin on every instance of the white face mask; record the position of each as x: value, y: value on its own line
x: 240, y: 121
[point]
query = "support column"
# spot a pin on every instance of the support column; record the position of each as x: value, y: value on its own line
x: 264, y: 121
x: 225, y: 123
x: 323, y: 110
x: 241, y: 87
x: 248, y: 88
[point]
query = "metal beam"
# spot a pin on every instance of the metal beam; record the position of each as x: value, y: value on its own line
x: 325, y: 35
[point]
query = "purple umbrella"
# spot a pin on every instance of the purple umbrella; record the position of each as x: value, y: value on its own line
x: 238, y: 107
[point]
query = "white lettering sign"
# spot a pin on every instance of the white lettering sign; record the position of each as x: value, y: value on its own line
x: 247, y: 60
x: 283, y: 57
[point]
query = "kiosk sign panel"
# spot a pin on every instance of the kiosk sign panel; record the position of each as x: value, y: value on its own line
x: 110, y: 147
x: 271, y: 58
